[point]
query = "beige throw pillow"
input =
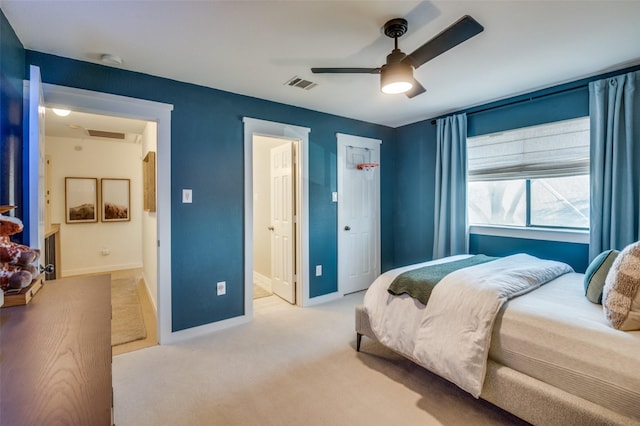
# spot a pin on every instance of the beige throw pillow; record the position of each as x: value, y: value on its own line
x: 621, y: 295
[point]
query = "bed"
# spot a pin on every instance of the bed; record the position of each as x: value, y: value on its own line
x: 552, y: 357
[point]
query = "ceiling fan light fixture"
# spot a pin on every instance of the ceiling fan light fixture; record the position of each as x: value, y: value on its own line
x: 396, y: 78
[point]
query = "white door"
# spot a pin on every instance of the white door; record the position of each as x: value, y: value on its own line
x: 36, y: 162
x: 282, y: 222
x: 358, y: 213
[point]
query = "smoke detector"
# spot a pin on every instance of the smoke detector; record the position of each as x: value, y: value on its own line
x: 109, y: 59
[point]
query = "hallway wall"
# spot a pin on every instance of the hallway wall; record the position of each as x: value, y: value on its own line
x: 96, y: 246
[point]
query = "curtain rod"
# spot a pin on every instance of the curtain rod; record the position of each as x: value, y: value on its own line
x: 528, y: 99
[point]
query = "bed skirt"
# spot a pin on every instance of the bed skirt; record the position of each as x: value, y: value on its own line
x: 530, y: 399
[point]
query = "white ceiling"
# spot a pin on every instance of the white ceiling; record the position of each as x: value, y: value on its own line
x: 76, y: 125
x: 254, y: 47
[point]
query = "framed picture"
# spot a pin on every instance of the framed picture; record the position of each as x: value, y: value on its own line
x: 115, y: 200
x: 81, y: 200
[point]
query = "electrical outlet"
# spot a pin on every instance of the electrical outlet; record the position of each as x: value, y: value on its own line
x: 221, y: 288
x: 318, y: 270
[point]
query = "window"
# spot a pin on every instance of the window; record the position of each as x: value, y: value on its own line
x: 530, y: 177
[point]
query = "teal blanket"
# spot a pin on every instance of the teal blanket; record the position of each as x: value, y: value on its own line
x: 419, y: 283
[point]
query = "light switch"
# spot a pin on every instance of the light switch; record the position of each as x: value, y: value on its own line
x: 334, y: 197
x: 186, y: 196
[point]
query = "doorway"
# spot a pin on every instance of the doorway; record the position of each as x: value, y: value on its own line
x: 253, y: 128
x: 107, y: 104
x: 274, y: 217
x: 105, y: 149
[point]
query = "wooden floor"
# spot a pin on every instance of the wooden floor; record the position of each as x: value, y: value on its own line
x: 149, y: 316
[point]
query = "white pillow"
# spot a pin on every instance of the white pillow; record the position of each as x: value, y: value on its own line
x: 621, y: 295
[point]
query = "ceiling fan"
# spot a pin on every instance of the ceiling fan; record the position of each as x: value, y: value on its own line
x: 396, y: 76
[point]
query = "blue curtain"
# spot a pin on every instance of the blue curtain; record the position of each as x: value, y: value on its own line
x: 614, y: 109
x: 450, y: 215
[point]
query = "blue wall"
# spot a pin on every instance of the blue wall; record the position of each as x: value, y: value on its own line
x: 415, y: 172
x: 207, y: 156
x: 413, y: 203
x: 530, y: 110
x: 12, y: 59
x: 575, y: 254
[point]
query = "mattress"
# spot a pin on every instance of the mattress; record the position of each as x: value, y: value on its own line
x: 553, y: 334
x: 557, y: 336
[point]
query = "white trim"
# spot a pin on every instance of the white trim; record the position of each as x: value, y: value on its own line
x: 546, y: 234
x: 99, y: 103
x: 33, y: 99
x: 100, y: 269
x: 148, y: 290
x: 253, y: 126
x: 203, y: 330
x: 122, y: 106
x: 319, y: 300
x: 262, y: 280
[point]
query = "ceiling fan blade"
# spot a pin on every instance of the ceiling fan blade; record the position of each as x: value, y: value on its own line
x: 415, y: 90
x: 345, y: 70
x: 462, y: 30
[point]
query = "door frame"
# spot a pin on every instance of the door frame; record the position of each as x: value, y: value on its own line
x: 34, y: 200
x: 126, y: 107
x: 254, y: 126
x: 360, y: 142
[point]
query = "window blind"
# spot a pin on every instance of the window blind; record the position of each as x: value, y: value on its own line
x: 556, y: 149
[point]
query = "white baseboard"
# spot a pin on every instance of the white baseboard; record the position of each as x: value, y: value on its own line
x: 262, y: 280
x: 203, y: 330
x: 322, y: 299
x: 99, y: 269
x: 153, y: 302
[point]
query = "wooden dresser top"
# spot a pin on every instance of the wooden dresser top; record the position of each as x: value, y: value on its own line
x: 55, y: 355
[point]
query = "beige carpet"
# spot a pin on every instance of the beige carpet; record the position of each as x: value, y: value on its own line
x: 260, y: 292
x: 289, y: 366
x: 127, y: 324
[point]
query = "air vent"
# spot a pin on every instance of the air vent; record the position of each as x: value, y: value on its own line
x: 301, y: 83
x: 105, y: 134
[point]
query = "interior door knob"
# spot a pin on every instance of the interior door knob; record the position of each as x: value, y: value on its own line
x: 347, y: 228
x: 271, y: 228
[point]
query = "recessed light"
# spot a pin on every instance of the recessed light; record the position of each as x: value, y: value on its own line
x: 110, y: 59
x: 61, y: 112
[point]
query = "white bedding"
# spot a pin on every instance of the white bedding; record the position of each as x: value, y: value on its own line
x: 455, y: 333
x: 451, y: 335
x: 395, y: 319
